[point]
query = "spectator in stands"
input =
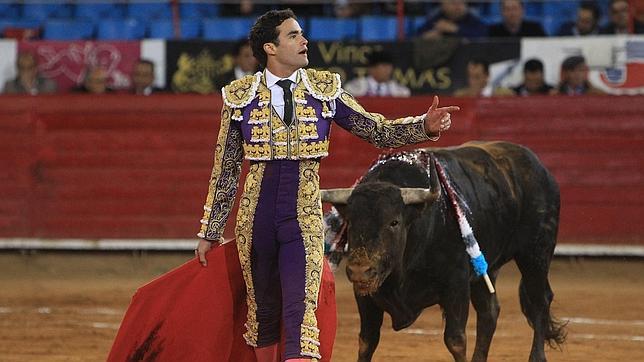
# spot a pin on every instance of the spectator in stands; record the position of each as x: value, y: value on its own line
x: 454, y: 18
x: 378, y: 82
x: 478, y: 76
x: 514, y: 24
x: 310, y: 8
x: 587, y: 22
x: 349, y: 9
x: 620, y: 19
x: 574, y: 77
x: 28, y: 81
x: 242, y: 8
x: 534, y: 82
x: 252, y: 8
x: 245, y: 64
x: 143, y: 78
x: 95, y: 82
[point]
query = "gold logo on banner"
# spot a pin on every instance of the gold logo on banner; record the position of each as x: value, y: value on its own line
x: 197, y: 74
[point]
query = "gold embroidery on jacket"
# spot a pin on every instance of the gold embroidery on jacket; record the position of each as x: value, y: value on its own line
x: 224, y: 178
x: 322, y: 85
x: 270, y: 138
x: 259, y: 152
x: 244, y: 234
x: 308, y: 131
x: 305, y: 114
x: 239, y: 93
x: 382, y: 132
x: 259, y: 115
x: 309, y: 217
x: 260, y: 133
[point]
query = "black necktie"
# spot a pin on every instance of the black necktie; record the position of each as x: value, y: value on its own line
x: 285, y: 84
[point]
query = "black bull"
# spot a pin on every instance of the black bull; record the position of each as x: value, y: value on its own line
x: 406, y: 251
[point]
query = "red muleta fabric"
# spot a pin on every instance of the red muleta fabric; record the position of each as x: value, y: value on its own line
x: 197, y: 314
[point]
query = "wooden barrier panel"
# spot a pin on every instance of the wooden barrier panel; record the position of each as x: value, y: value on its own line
x: 117, y: 166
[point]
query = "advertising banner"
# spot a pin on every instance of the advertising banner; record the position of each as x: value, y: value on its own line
x: 68, y: 62
x: 423, y: 66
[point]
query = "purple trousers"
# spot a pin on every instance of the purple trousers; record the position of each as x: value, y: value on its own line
x: 279, y: 235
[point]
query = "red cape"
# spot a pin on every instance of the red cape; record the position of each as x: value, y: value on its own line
x: 197, y: 314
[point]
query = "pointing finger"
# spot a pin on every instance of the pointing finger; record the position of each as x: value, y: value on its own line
x: 449, y: 109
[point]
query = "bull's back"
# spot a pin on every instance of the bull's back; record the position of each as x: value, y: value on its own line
x: 504, y: 165
x: 505, y: 187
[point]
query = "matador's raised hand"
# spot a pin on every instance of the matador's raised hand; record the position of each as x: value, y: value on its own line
x: 438, y: 119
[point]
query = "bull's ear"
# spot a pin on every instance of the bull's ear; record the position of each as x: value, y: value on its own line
x: 336, y: 196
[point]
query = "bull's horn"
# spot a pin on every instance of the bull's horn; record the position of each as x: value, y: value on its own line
x: 420, y: 195
x: 336, y: 196
x: 411, y: 195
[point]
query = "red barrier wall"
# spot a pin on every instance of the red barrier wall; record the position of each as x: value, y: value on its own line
x: 121, y: 166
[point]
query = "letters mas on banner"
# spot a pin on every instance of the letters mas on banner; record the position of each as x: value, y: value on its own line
x: 425, y: 67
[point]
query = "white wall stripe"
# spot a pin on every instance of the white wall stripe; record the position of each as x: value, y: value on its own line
x: 189, y: 244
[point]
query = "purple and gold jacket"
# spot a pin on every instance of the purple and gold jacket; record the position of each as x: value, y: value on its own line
x: 252, y: 129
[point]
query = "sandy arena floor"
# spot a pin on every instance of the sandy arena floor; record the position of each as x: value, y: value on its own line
x: 67, y: 307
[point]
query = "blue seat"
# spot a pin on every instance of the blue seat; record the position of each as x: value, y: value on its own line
x: 8, y: 11
x: 164, y: 29
x: 226, y: 28
x: 414, y: 23
x: 552, y: 24
x: 198, y: 10
x: 149, y: 10
x: 46, y: 10
x: 120, y: 29
x: 378, y: 28
x: 565, y: 10
x: 98, y: 11
x: 68, y: 29
x: 332, y: 29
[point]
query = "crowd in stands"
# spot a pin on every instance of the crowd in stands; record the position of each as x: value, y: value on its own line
x: 377, y: 82
x: 435, y: 20
x: 351, y: 20
x: 95, y: 80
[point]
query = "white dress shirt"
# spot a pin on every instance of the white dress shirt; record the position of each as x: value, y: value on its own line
x: 277, y: 93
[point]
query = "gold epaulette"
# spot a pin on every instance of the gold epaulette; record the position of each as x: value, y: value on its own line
x: 239, y: 93
x: 322, y: 84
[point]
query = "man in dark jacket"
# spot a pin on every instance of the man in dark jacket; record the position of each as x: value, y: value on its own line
x: 587, y: 22
x: 453, y: 19
x: 244, y: 64
x: 513, y: 24
x: 534, y: 82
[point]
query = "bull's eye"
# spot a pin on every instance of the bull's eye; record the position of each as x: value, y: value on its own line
x: 394, y: 223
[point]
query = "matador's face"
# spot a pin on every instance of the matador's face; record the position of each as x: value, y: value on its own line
x: 292, y: 48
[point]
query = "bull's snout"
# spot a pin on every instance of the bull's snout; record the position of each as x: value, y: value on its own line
x: 360, y: 273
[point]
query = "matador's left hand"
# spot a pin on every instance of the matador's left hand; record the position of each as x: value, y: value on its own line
x: 438, y: 119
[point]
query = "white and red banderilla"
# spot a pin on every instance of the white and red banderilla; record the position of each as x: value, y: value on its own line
x: 471, y: 245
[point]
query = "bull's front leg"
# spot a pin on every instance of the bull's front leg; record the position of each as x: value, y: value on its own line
x: 455, y: 304
x: 370, y: 323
